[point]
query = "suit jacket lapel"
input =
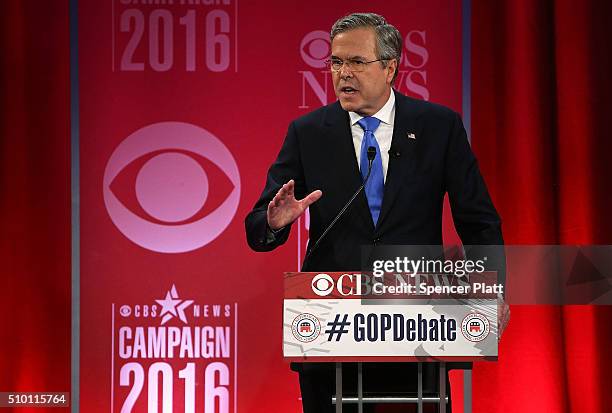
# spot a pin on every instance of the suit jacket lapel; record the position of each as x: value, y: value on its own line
x: 403, y: 157
x: 337, y: 123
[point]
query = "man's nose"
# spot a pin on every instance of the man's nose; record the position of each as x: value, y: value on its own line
x: 345, y: 72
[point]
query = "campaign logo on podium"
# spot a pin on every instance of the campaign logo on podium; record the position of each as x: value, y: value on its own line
x: 475, y: 327
x: 306, y: 328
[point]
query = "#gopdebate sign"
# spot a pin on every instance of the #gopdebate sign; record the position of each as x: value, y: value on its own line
x: 346, y: 316
x: 173, y: 353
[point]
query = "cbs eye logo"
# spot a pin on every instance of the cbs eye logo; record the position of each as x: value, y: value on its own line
x: 171, y: 187
x: 315, y: 48
x: 322, y: 285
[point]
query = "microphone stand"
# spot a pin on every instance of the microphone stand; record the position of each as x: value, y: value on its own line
x: 371, y: 156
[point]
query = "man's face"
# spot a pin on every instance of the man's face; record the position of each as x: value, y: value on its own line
x: 367, y: 91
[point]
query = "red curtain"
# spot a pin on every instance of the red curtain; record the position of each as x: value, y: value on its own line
x: 34, y: 197
x: 540, y: 127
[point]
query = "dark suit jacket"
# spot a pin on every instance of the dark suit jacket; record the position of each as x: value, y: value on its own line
x: 318, y: 153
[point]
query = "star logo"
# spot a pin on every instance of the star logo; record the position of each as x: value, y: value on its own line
x: 172, y: 306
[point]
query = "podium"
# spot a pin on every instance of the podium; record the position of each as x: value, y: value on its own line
x: 420, y: 318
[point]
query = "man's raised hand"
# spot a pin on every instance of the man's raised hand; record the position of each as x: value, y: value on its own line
x: 284, y: 208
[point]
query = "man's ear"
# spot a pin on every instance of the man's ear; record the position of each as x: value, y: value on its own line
x: 392, y: 67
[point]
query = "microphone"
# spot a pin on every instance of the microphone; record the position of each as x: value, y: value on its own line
x: 371, y: 156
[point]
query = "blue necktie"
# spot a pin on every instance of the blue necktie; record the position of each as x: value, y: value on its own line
x: 375, y: 186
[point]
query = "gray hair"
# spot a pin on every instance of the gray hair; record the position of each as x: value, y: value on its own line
x: 388, y: 38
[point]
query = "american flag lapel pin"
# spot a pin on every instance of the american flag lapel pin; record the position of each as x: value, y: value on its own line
x: 411, y: 135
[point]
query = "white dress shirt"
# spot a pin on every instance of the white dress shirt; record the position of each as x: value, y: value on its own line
x: 383, y: 134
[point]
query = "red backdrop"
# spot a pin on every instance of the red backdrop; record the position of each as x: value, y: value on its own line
x: 540, y: 97
x: 539, y: 111
x: 155, y: 82
x: 34, y: 197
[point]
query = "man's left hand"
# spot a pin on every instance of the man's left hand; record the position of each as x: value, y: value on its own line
x: 503, y: 317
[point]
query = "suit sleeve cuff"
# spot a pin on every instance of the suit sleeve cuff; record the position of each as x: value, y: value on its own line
x: 271, y: 234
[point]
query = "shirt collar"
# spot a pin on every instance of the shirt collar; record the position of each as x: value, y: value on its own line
x: 384, y: 114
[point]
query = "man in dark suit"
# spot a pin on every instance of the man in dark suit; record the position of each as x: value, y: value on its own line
x: 422, y: 153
